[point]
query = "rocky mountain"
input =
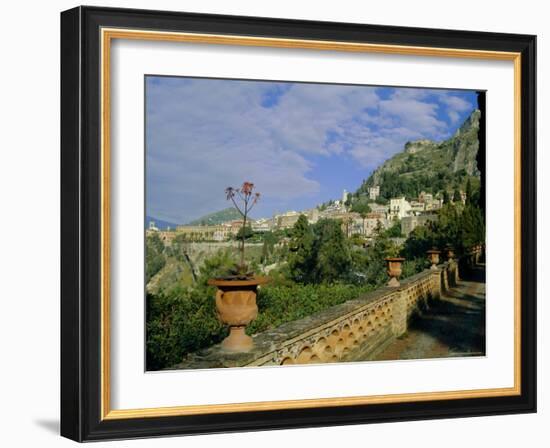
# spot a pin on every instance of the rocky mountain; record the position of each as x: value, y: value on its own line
x: 425, y: 165
x: 227, y: 214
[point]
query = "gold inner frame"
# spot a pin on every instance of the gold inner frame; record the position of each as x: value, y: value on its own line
x: 107, y: 35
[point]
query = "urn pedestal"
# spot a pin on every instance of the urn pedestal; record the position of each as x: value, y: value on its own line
x: 236, y: 307
x: 394, y: 269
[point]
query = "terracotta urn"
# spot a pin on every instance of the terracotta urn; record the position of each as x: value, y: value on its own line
x: 236, y: 307
x: 433, y: 256
x: 394, y: 270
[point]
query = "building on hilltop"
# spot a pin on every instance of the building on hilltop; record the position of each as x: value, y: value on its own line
x: 379, y: 208
x: 374, y: 192
x: 425, y: 197
x: 286, y: 220
x: 372, y: 222
x: 334, y: 208
x: 417, y: 207
x: 429, y: 201
x: 217, y: 232
x: 262, y: 225
x: 166, y: 236
x: 399, y: 208
x: 345, y: 196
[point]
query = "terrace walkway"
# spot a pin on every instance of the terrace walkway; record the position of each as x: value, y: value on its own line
x: 435, y: 313
x: 453, y: 326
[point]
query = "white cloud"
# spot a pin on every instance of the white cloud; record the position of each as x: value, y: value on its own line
x: 455, y: 103
x: 204, y: 135
x: 454, y: 116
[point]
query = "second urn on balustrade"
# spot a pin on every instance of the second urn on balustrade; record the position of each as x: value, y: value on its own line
x: 394, y: 270
x: 433, y: 256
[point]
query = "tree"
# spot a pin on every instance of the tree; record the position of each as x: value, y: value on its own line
x: 301, y: 257
x: 395, y: 230
x: 469, y: 192
x: 363, y: 208
x: 155, y: 258
x: 332, y: 252
x: 472, y: 230
x: 378, y: 229
x: 456, y: 196
x: 370, y: 265
x: 445, y: 197
x: 458, y: 227
x: 269, y: 241
x: 420, y: 240
x: 244, y: 233
x: 348, y: 223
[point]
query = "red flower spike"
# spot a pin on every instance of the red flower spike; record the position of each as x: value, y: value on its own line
x: 247, y: 188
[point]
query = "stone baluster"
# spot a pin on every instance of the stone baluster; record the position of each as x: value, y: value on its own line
x: 399, y: 311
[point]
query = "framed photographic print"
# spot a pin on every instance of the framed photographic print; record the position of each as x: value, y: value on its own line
x: 274, y: 223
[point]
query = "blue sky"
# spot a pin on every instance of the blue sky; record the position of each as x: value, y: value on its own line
x: 300, y: 143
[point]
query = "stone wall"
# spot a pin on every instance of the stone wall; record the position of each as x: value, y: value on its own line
x: 355, y: 330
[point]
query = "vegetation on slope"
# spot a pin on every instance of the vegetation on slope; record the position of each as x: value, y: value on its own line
x: 211, y: 219
x: 429, y: 166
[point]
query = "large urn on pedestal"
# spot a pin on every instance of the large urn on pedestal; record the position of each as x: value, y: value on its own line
x: 236, y: 307
x: 394, y: 270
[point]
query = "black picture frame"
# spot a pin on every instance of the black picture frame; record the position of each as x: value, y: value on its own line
x: 81, y: 224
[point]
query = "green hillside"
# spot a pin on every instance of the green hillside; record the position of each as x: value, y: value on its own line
x: 227, y: 214
x: 430, y: 166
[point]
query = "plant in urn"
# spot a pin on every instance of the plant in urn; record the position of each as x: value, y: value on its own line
x: 236, y: 295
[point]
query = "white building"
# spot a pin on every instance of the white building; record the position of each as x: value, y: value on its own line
x: 345, y: 196
x: 399, y: 208
x: 261, y: 225
x: 374, y: 192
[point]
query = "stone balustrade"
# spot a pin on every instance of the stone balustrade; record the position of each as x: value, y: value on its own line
x: 356, y: 330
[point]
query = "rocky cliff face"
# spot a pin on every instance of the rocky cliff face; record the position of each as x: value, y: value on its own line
x: 465, y: 144
x: 451, y: 161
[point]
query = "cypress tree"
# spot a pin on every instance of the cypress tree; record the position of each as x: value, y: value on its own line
x: 300, y: 257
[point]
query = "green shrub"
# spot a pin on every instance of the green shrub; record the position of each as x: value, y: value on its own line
x: 180, y: 322
x: 184, y: 320
x: 279, y: 304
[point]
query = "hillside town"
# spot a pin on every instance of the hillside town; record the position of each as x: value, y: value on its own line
x: 408, y: 213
